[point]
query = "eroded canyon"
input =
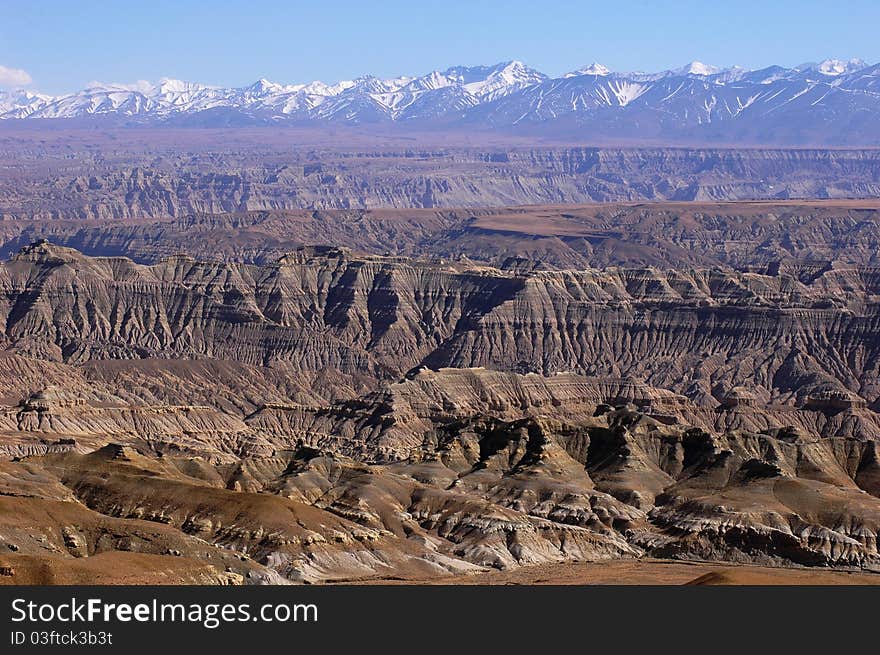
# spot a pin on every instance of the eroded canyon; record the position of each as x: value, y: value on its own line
x: 331, y: 414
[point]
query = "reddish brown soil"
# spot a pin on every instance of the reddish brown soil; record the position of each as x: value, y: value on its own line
x: 110, y: 568
x: 658, y: 572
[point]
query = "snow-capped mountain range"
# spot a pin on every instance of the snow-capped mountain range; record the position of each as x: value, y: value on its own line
x: 830, y: 101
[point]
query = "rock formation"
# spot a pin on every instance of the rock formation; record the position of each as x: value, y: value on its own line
x: 91, y: 174
x: 334, y: 416
x: 343, y: 322
x: 798, y: 237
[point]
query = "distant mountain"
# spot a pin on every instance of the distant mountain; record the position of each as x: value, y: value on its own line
x: 833, y: 102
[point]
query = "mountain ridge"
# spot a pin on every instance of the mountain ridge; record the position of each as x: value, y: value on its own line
x: 831, y: 102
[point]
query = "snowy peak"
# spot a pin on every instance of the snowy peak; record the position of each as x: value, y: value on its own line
x: 698, y: 68
x: 595, y: 68
x: 504, y: 78
x: 431, y: 81
x: 516, y: 72
x: 835, y: 67
x: 318, y: 88
x: 20, y: 103
x: 169, y: 85
x: 263, y: 86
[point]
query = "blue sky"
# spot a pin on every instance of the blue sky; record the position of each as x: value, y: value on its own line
x: 61, y: 45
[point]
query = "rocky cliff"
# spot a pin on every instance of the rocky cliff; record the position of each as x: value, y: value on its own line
x: 326, y: 312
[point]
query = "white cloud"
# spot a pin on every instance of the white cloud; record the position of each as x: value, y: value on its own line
x: 13, y: 77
